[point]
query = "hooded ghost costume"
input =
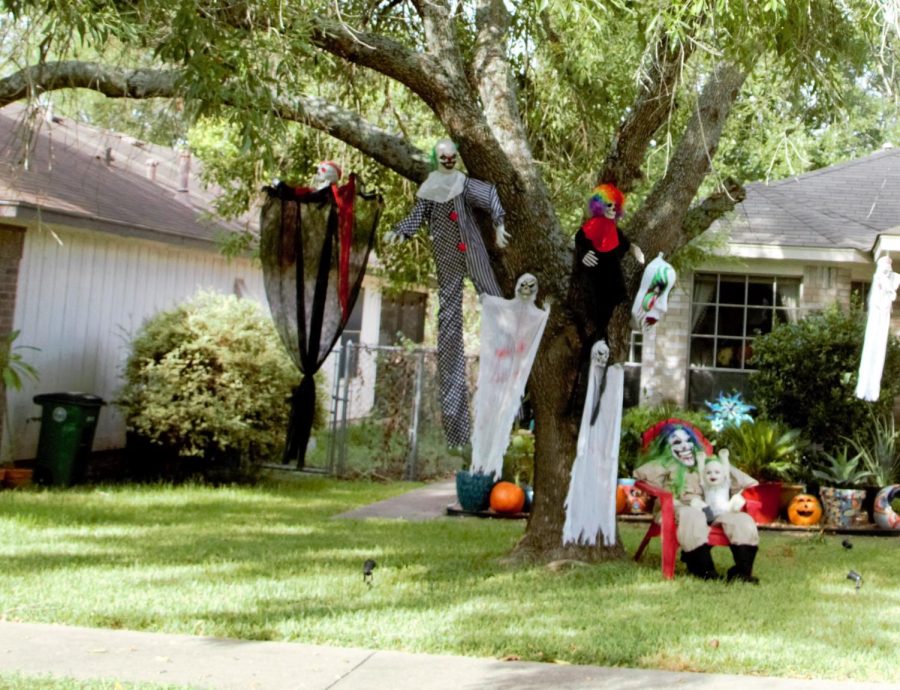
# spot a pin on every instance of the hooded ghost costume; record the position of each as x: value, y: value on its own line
x: 511, y: 331
x: 878, y: 324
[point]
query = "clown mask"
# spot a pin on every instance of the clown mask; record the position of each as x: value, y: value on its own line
x: 682, y: 447
x: 445, y: 154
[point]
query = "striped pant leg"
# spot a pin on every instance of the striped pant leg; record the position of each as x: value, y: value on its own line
x: 452, y: 361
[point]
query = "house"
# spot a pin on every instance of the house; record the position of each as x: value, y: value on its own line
x: 98, y: 232
x: 795, y: 246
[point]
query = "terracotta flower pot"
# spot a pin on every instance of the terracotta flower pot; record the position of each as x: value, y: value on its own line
x: 16, y: 476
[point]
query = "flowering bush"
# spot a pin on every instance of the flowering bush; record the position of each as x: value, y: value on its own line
x: 210, y: 380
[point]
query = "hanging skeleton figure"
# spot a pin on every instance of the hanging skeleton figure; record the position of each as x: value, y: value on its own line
x: 446, y: 201
x: 511, y: 331
x: 599, y: 249
x: 652, y: 299
x: 591, y: 502
x: 878, y: 324
x: 314, y: 245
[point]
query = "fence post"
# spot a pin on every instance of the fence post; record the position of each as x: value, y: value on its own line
x: 412, y: 457
x: 335, y: 404
x: 342, y: 454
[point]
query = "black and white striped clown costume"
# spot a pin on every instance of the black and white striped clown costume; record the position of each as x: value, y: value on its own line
x: 445, y: 201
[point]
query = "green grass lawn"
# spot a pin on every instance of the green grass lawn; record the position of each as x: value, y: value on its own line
x: 269, y: 563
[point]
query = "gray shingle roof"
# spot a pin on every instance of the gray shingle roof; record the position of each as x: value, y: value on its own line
x: 68, y: 178
x: 842, y: 206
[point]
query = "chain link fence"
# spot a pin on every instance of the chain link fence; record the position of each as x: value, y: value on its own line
x: 386, y: 413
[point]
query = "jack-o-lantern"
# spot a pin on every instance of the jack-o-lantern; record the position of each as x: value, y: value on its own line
x: 804, y: 510
x: 621, y: 500
x: 507, y: 497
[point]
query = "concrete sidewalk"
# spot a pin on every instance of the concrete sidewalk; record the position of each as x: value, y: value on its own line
x: 426, y: 503
x: 223, y: 664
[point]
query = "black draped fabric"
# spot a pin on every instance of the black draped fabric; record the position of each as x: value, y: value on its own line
x: 300, y: 248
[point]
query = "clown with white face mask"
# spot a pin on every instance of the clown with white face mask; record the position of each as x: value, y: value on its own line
x: 511, y: 331
x: 445, y: 201
x: 676, y: 453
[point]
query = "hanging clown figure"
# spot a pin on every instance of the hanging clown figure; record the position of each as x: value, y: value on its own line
x: 599, y: 249
x: 314, y: 246
x: 446, y: 201
x: 511, y: 331
x: 673, y: 449
x: 591, y: 502
x: 878, y: 324
x: 652, y: 299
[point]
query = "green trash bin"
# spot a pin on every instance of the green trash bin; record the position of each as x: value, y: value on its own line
x: 68, y: 423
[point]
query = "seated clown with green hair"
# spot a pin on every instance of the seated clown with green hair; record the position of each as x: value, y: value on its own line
x: 673, y: 450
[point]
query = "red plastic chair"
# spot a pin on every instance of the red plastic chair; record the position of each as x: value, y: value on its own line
x: 665, y: 529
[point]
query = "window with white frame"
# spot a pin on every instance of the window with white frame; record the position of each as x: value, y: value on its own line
x: 729, y: 311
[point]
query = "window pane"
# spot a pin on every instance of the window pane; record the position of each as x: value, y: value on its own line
x: 732, y: 290
x: 760, y: 293
x: 729, y: 354
x: 704, y: 319
x: 731, y: 321
x: 787, y: 293
x: 759, y: 321
x: 702, y: 352
x: 785, y: 316
x: 704, y: 289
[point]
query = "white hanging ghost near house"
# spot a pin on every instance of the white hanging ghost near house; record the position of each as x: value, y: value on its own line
x: 591, y: 502
x: 511, y: 331
x: 652, y: 299
x: 881, y: 296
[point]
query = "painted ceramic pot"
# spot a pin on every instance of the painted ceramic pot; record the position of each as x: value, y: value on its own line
x: 842, y: 507
x: 885, y: 516
x: 474, y: 490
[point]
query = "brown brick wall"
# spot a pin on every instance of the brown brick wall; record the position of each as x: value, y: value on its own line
x: 12, y: 239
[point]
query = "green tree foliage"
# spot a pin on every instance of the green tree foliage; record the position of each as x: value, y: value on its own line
x: 210, y: 380
x: 807, y: 372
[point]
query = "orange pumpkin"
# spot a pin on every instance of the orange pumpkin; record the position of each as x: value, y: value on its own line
x: 507, y: 497
x: 621, y: 500
x: 804, y: 510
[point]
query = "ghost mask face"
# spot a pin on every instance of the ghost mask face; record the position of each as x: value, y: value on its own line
x: 445, y: 154
x: 327, y: 174
x: 713, y: 473
x: 600, y: 353
x: 682, y: 447
x: 526, y: 287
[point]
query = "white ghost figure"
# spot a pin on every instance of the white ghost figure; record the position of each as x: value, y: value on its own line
x: 591, y: 502
x: 715, y: 479
x: 327, y: 174
x: 878, y: 324
x: 652, y: 299
x: 511, y: 331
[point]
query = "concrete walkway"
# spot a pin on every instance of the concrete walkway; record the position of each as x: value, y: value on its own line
x: 222, y: 664
x: 426, y: 503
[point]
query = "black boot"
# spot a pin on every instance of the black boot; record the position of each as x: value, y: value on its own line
x: 699, y: 562
x: 744, y: 555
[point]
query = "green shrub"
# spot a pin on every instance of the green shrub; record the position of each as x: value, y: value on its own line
x: 636, y: 420
x: 210, y: 380
x: 807, y: 372
x: 766, y: 450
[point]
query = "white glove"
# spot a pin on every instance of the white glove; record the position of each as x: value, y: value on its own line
x: 637, y: 253
x: 589, y: 259
x: 392, y: 237
x: 698, y: 503
x: 502, y: 237
x: 736, y: 503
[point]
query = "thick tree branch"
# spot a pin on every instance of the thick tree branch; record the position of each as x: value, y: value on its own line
x: 388, y: 149
x: 418, y: 72
x: 713, y: 207
x: 667, y: 205
x: 115, y: 83
x: 653, y: 106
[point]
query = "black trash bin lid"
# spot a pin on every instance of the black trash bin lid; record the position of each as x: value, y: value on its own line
x: 86, y: 399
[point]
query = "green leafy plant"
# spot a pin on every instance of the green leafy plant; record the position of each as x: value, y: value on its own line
x: 210, y: 380
x: 518, y: 463
x: 840, y: 470
x: 806, y: 375
x: 765, y: 450
x: 13, y: 364
x: 876, y: 445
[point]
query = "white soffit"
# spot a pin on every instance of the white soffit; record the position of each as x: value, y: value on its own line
x: 803, y: 255
x: 888, y: 243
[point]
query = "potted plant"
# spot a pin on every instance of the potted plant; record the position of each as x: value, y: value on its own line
x: 770, y: 453
x: 518, y: 463
x: 841, y: 476
x: 14, y: 369
x: 876, y: 445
